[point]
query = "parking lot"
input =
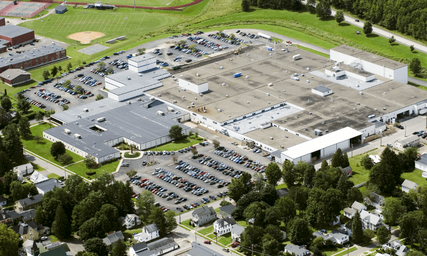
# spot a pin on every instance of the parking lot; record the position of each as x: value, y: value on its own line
x: 192, y: 181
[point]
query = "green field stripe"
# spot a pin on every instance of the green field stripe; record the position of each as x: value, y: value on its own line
x: 142, y: 20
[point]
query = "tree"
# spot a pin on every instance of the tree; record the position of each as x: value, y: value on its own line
x: 9, y: 177
x: 287, y: 208
x: 194, y: 149
x: 12, y: 143
x: 357, y: 229
x: 119, y: 248
x: 414, y: 253
x: 46, y: 75
x: 367, y: 162
x: 39, y: 217
x: 324, y: 206
x: 392, y: 211
x: 273, y: 173
x: 344, y: 160
x: 9, y: 241
x: 344, y: 184
x: 23, y: 105
x: 108, y: 215
x: 171, y: 223
x: 367, y: 28
x: 215, y: 144
x: 69, y: 66
x: 246, y: 6
x: 24, y: 128
x: 131, y: 173
x: 256, y: 211
x: 144, y: 204
x: 90, y: 161
x: 157, y: 216
x: 61, y: 227
x: 300, y: 196
x: 236, y: 189
x: 101, y: 64
x: 60, y: 69
x: 270, y: 246
x: 268, y: 195
x: 5, y: 163
x: 288, y: 174
x: 309, y: 174
x: 414, y: 66
x: 412, y: 48
x: 275, y: 232
x: 300, y: 232
x: 383, y: 235
x: 57, y: 148
x: 339, y: 17
x: 17, y: 116
x: 54, y: 71
x: 96, y: 245
x: 6, y: 104
x: 323, y: 9
x: 410, y: 223
x: 99, y: 97
x: 175, y: 132
x: 141, y: 51
x: 87, y: 208
x: 337, y: 158
x: 251, y: 236
x: 90, y: 229
x: 259, y: 182
x: 39, y: 116
x: 391, y: 40
x: 65, y: 159
x: 354, y: 194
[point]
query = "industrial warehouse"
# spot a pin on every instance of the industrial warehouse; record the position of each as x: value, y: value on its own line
x: 294, y: 104
x: 96, y: 128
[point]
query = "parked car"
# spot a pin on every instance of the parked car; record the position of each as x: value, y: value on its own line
x: 207, y: 242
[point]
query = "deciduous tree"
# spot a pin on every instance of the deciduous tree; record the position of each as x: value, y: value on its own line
x: 24, y: 128
x: 9, y: 241
x: 23, y: 105
x: 119, y: 248
x: 96, y: 245
x: 323, y: 9
x: 339, y: 17
x: 57, y: 149
x: 12, y: 143
x: 299, y: 232
x: 273, y: 173
x: 287, y: 208
x: 175, y: 132
x: 236, y: 189
x: 367, y: 28
x: 383, y: 235
x: 392, y: 211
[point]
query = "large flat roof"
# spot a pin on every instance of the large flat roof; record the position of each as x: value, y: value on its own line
x: 281, y: 139
x: 13, y: 31
x: 143, y: 79
x: 29, y: 55
x: 367, y: 56
x: 321, y: 142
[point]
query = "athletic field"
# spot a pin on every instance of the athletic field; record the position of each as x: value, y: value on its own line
x: 153, y: 3
x: 112, y: 23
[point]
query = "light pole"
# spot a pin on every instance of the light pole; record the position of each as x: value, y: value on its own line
x: 381, y: 137
x: 348, y: 249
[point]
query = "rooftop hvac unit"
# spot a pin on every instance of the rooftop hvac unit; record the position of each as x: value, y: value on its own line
x: 170, y: 109
x: 226, y: 95
x: 223, y: 84
x: 160, y: 113
x: 77, y: 136
x: 101, y: 119
x: 270, y: 84
x: 85, y: 110
x: 152, y: 98
x: 268, y: 94
x: 174, y: 101
x: 221, y: 67
x: 195, y: 98
x: 247, y: 102
x: 197, y: 74
x: 247, y: 76
x: 139, y: 99
x: 67, y: 131
x: 219, y: 110
x: 271, y: 138
x: 128, y: 77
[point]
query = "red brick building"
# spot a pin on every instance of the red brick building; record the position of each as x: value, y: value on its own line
x: 34, y: 58
x: 2, y: 21
x: 16, y: 35
x: 14, y: 77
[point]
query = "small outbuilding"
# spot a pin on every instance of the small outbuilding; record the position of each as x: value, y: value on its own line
x: 322, y: 91
x: 407, y: 185
x: 60, y: 9
x: 15, y: 76
x: 421, y: 164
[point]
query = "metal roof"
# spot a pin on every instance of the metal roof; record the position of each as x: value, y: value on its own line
x: 409, y: 184
x: 321, y: 142
x: 141, y: 80
x: 141, y: 58
x: 13, y: 31
x: 61, y: 8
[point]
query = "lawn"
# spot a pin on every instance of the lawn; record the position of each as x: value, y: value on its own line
x: 43, y: 148
x: 212, y: 236
x: 80, y: 169
x: 242, y: 223
x: 179, y: 144
x: 414, y: 176
x: 344, y: 252
x: 225, y: 239
x: 360, y: 174
x: 150, y: 3
x: 187, y: 224
x: 283, y: 185
x: 134, y: 155
x: 53, y: 238
x: 313, y: 51
x: 53, y: 176
x: 206, y: 231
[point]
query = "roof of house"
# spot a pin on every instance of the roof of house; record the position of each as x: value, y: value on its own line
x: 200, y: 250
x: 152, y: 228
x: 47, y: 185
x: 60, y: 251
x: 295, y: 249
x: 204, y: 210
x: 228, y: 209
x: 339, y: 236
x: 282, y: 192
x: 23, y: 167
x: 408, y: 140
x: 26, y: 215
x: 139, y: 246
x: 22, y: 228
x: 377, y: 198
x: 226, y: 221
x: 61, y: 8
x: 13, y: 31
x: 2, y: 198
x: 349, y: 210
x: 322, y: 89
x: 13, y: 73
x: 422, y: 159
x: 31, y: 200
x: 161, y: 244
x: 325, y: 236
x: 37, y: 177
x: 370, y: 217
x: 237, y: 229
x: 358, y: 206
x: 113, y: 237
x: 409, y: 184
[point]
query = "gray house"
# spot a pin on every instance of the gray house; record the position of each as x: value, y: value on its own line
x: 297, y: 250
x: 203, y: 215
x: 227, y: 210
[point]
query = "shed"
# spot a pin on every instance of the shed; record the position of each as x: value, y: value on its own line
x: 407, y: 185
x: 412, y: 141
x: 322, y: 91
x: 60, y: 9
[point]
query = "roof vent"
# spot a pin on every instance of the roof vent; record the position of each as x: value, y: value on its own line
x: 354, y: 108
x: 384, y: 108
x: 361, y: 93
x: 219, y: 110
x: 375, y: 109
x: 231, y: 59
x: 174, y: 101
x: 308, y: 68
x: 128, y: 77
x: 195, y: 98
x: 358, y: 103
x: 226, y: 95
x: 192, y: 103
x: 270, y: 84
x: 247, y: 102
x: 8, y: 76
x: 308, y: 100
x: 129, y: 102
x: 307, y: 81
x: 247, y: 76
x: 223, y: 84
x: 323, y: 122
x: 197, y: 74
x: 309, y: 113
x: 268, y: 94
x: 221, y: 67
x: 67, y: 131
x: 296, y: 116
x: 332, y: 100
x: 85, y: 110
x: 271, y: 138
x: 159, y: 95
x: 183, y: 97
x: 284, y: 90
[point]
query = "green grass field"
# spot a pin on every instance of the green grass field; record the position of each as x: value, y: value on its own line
x: 43, y: 148
x: 206, y: 231
x: 80, y: 169
x: 360, y: 174
x: 179, y: 144
x: 53, y: 176
x: 414, y: 176
x: 150, y: 3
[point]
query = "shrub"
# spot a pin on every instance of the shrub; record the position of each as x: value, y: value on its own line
x: 65, y: 159
x: 90, y: 173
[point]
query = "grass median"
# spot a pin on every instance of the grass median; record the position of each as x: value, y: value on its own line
x: 178, y: 144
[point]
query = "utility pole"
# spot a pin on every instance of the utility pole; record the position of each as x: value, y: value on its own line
x: 252, y: 249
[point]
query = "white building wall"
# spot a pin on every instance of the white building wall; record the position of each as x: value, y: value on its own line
x: 401, y: 74
x: 111, y: 84
x: 201, y: 88
x: 142, y: 65
x: 359, y: 77
x: 421, y: 166
x: 328, y: 151
x: 370, y: 130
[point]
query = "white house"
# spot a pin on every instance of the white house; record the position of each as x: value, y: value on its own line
x: 370, y: 221
x: 37, y: 177
x: 356, y: 206
x: 223, y: 226
x: 408, y: 185
x: 335, y: 237
x: 130, y: 221
x: 47, y: 185
x: 400, y: 249
x: 421, y: 164
x: 236, y: 232
x: 203, y: 215
x: 297, y: 250
x: 22, y: 170
x: 148, y: 233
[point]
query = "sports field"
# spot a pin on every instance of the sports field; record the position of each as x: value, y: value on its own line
x: 153, y: 3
